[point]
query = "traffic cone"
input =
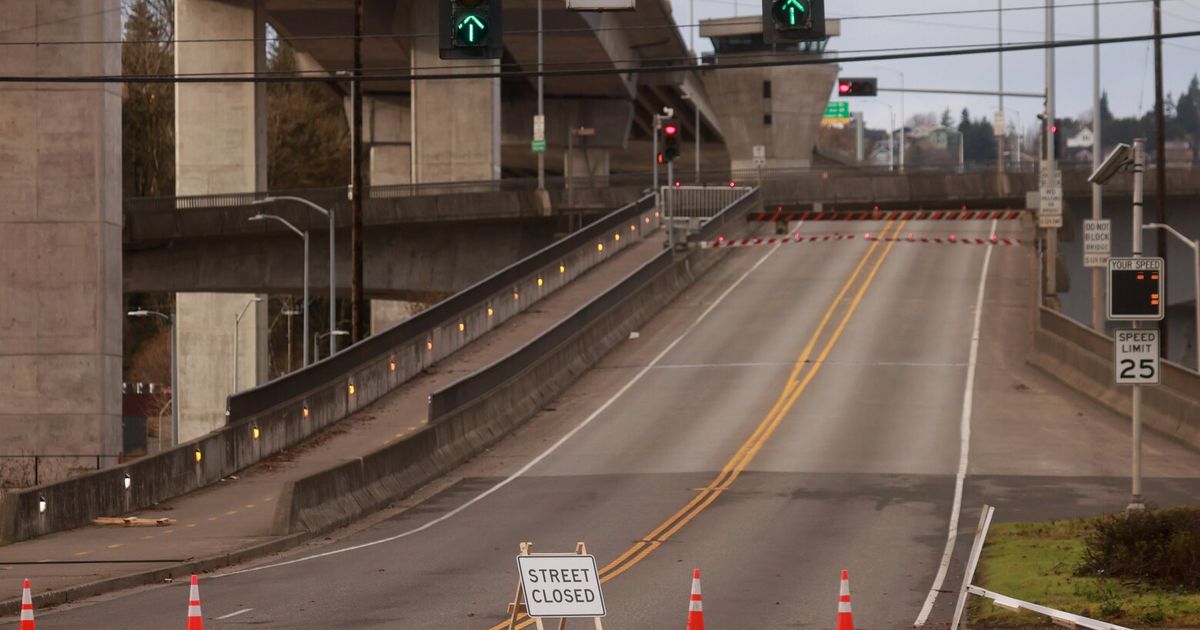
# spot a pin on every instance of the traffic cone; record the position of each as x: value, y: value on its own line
x: 26, y: 608
x: 845, y: 619
x: 696, y: 606
x: 194, y: 620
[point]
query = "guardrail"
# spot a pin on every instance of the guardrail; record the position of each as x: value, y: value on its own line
x: 473, y: 413
x: 699, y: 201
x: 277, y: 415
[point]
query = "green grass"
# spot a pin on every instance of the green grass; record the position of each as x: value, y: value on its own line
x: 1037, y: 562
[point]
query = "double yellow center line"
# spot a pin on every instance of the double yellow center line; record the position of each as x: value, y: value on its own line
x: 796, y: 383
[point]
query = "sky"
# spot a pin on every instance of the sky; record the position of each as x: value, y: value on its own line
x: 1127, y: 70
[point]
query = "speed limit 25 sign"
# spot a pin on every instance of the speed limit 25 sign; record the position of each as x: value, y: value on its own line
x: 1136, y: 359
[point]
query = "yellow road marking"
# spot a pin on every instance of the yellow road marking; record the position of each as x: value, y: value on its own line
x: 114, y: 546
x: 750, y: 448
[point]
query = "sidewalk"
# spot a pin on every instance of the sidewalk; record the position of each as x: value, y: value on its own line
x: 235, y: 516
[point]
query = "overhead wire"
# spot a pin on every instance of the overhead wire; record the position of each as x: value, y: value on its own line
x: 559, y: 31
x: 668, y: 68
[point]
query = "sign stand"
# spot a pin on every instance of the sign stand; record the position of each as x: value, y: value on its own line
x: 517, y: 607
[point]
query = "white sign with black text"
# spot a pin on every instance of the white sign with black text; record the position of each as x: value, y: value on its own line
x: 1097, y: 242
x: 1136, y: 359
x: 561, y: 585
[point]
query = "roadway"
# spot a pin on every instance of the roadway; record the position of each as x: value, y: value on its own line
x: 797, y: 411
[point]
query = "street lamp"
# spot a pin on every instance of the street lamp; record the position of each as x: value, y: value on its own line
x: 236, y: 326
x: 332, y: 257
x: 333, y: 335
x: 304, y: 235
x: 141, y: 312
x: 1195, y: 245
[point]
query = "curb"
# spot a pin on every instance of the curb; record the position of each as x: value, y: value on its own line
x: 79, y: 592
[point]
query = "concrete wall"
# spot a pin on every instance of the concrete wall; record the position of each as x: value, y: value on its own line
x: 60, y: 232
x: 302, y: 403
x: 798, y: 95
x: 1083, y: 359
x: 457, y: 122
x: 220, y: 147
x: 339, y: 495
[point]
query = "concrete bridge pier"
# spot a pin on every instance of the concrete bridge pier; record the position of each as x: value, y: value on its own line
x: 60, y: 237
x: 221, y: 147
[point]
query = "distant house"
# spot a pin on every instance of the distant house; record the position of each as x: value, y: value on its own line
x: 1179, y: 153
x: 943, y: 138
x: 1082, y: 140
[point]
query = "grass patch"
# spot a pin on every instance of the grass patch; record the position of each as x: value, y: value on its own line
x: 1040, y: 563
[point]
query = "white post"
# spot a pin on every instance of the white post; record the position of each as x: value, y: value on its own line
x: 1097, y: 159
x: 1051, y: 233
x: 174, y: 381
x: 305, y: 235
x: 1139, y: 176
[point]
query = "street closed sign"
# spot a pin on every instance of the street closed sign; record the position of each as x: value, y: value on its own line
x: 561, y: 585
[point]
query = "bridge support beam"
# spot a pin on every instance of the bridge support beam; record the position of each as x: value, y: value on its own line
x: 60, y: 237
x: 221, y: 147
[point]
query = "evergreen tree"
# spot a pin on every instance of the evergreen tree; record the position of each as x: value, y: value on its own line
x: 148, y: 110
x: 308, y: 137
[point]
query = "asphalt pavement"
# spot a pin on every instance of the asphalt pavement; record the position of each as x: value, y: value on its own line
x: 798, y: 411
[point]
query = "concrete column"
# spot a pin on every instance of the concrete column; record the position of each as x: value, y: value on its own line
x: 220, y: 147
x: 387, y: 131
x: 457, y: 125
x: 60, y: 237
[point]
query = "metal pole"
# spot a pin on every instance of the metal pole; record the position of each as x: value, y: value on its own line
x: 892, y: 139
x: 671, y: 207
x: 1051, y: 233
x: 237, y: 321
x: 654, y: 161
x: 902, y: 133
x: 541, y: 156
x: 1000, y: 133
x: 174, y: 381
x: 305, y: 235
x: 697, y: 106
x: 356, y: 213
x: 1139, y: 175
x: 858, y: 137
x: 1097, y: 159
x: 332, y: 284
x: 570, y: 166
x: 1160, y: 159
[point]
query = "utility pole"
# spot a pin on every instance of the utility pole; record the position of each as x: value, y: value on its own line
x: 1160, y: 157
x: 1139, y: 176
x: 1000, y: 134
x: 1051, y: 233
x: 1097, y: 160
x: 541, y: 156
x: 356, y: 212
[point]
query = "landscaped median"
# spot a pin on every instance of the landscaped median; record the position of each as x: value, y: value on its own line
x: 1140, y: 571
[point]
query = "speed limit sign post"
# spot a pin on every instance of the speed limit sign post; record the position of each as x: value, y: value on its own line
x: 1136, y: 360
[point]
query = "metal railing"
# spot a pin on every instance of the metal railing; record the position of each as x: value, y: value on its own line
x: 703, y: 202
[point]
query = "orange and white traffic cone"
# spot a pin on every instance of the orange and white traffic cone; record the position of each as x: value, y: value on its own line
x: 194, y: 620
x: 845, y: 619
x: 696, y: 606
x: 26, y: 608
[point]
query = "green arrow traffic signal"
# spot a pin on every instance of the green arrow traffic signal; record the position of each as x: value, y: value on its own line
x: 470, y: 29
x: 791, y: 14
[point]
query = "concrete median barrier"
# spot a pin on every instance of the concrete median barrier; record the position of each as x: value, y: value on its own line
x: 1083, y: 359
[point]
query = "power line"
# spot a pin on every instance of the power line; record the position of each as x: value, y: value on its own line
x: 409, y: 76
x: 560, y: 31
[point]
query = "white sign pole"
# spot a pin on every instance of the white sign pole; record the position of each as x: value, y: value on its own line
x: 1139, y: 177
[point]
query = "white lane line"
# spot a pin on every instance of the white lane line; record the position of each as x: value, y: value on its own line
x: 964, y: 448
x: 535, y: 461
x: 234, y: 614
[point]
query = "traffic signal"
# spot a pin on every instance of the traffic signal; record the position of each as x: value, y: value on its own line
x: 787, y: 21
x: 858, y: 87
x: 470, y: 29
x: 670, y: 137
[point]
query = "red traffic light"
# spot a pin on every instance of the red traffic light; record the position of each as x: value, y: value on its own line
x: 661, y: 158
x: 670, y: 130
x: 843, y: 87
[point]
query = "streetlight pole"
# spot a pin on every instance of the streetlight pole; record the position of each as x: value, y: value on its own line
x: 174, y: 369
x: 1139, y: 188
x: 237, y: 321
x: 304, y: 235
x: 1051, y: 233
x: 332, y: 258
x: 1097, y: 160
x: 541, y: 156
x: 1000, y: 133
x: 317, y: 337
x: 1195, y: 246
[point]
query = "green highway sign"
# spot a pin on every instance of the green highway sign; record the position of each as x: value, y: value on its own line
x: 538, y: 146
x: 837, y: 109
